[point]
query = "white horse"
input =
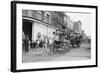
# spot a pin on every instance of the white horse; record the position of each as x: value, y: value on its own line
x: 45, y: 45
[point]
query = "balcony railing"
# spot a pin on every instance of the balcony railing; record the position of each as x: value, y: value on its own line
x: 36, y: 15
x: 39, y: 16
x: 59, y: 22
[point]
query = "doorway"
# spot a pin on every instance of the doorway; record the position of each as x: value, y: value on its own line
x: 27, y: 28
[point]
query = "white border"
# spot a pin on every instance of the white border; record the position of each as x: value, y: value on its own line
x: 52, y: 64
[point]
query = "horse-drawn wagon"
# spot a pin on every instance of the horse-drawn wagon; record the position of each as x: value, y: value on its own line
x: 61, y: 45
x: 76, y: 40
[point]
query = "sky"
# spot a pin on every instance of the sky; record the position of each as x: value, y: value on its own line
x: 85, y: 18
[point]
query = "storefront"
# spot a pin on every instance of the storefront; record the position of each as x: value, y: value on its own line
x: 32, y: 28
x: 43, y: 29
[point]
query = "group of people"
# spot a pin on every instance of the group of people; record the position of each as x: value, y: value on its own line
x: 42, y: 42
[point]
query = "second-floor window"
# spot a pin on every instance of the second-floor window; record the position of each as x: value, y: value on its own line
x: 34, y: 13
x: 47, y: 16
x: 24, y: 12
x: 42, y: 15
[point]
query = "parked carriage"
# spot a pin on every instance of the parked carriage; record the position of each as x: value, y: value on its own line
x: 76, y: 40
x: 62, y: 45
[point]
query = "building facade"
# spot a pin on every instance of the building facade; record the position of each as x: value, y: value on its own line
x: 69, y: 22
x: 77, y: 26
x: 44, y: 22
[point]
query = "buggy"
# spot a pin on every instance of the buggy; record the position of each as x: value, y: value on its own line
x: 62, y: 45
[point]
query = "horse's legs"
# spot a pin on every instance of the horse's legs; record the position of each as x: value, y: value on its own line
x: 45, y: 49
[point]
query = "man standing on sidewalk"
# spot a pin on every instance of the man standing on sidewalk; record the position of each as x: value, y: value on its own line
x: 26, y: 43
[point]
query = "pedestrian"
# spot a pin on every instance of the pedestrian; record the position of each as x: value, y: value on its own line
x: 26, y: 41
x: 45, y: 49
x: 23, y: 43
x: 51, y: 42
x: 38, y: 39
